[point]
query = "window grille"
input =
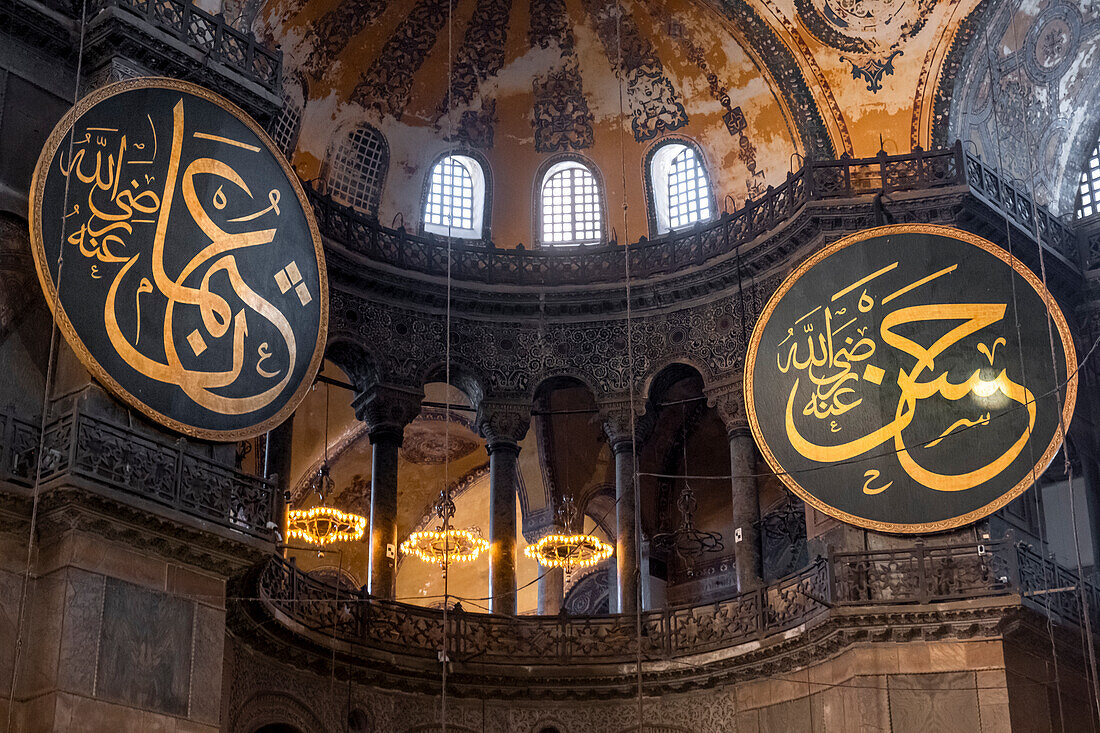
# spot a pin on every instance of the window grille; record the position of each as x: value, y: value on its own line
x: 570, y: 206
x: 357, y: 169
x: 688, y: 192
x: 1088, y: 193
x: 284, y: 128
x: 450, y: 195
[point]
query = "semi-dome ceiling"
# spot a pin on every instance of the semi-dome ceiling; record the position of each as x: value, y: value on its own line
x: 751, y: 82
x: 519, y: 82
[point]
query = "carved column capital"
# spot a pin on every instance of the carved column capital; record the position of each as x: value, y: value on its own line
x: 729, y: 402
x: 387, y: 409
x: 624, y: 426
x: 503, y: 423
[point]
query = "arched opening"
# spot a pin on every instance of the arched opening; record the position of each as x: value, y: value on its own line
x: 356, y: 170
x: 456, y: 194
x: 679, y: 187
x: 570, y: 205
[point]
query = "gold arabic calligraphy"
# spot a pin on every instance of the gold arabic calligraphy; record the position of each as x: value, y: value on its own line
x: 123, y: 198
x: 829, y: 349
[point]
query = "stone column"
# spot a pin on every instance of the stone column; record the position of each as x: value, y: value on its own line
x: 746, y: 506
x: 503, y: 425
x: 551, y: 591
x: 745, y: 496
x: 386, y: 411
x: 622, y: 436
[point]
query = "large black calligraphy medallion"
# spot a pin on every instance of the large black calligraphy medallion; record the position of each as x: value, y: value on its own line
x: 902, y: 379
x: 180, y: 257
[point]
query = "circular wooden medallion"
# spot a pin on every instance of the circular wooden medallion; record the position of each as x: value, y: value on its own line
x: 180, y: 257
x: 910, y: 378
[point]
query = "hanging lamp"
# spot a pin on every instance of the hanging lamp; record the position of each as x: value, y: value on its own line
x: 445, y: 544
x: 687, y: 541
x: 569, y: 551
x: 324, y: 525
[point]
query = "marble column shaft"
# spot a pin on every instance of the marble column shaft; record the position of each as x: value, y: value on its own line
x: 382, y: 573
x: 626, y: 535
x: 551, y: 591
x: 503, y: 463
x: 746, y: 507
x: 386, y: 410
x: 503, y: 425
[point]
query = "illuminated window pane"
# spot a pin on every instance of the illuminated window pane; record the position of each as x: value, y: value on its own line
x: 688, y: 193
x: 1089, y: 191
x: 450, y: 195
x: 570, y: 206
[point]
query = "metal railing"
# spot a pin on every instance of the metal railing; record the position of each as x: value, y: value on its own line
x: 815, y: 181
x: 916, y: 575
x: 208, y: 33
x: 165, y: 472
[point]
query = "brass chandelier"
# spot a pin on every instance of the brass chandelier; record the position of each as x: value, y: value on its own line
x: 569, y: 551
x: 445, y: 544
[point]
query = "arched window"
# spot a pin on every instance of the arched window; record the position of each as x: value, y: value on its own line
x: 1088, y: 193
x: 285, y: 126
x: 357, y: 168
x: 569, y: 205
x: 455, y: 204
x: 679, y: 187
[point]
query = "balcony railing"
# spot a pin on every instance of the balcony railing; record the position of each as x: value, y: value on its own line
x: 209, y: 34
x: 79, y: 445
x: 917, y: 575
x: 816, y: 181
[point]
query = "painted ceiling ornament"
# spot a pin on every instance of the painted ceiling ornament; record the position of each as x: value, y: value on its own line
x: 655, y: 106
x: 194, y: 284
x: 871, y: 33
x: 900, y: 379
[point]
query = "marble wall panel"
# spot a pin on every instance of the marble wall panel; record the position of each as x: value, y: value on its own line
x: 944, y: 702
x: 145, y: 649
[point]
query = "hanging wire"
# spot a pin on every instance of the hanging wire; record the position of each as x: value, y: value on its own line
x: 620, y: 10
x: 1035, y: 489
x: 447, y: 380
x: 48, y: 384
x: 1068, y: 465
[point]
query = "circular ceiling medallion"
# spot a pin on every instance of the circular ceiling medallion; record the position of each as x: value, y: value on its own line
x: 902, y: 379
x: 180, y: 257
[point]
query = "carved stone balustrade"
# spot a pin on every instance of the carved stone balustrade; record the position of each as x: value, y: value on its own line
x: 958, y: 590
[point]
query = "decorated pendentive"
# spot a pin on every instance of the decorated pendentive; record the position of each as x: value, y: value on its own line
x: 910, y: 378
x: 445, y: 544
x: 568, y: 550
x: 180, y: 257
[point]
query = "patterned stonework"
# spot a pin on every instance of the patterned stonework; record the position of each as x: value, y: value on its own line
x: 503, y: 359
x: 386, y: 84
x: 655, y: 106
